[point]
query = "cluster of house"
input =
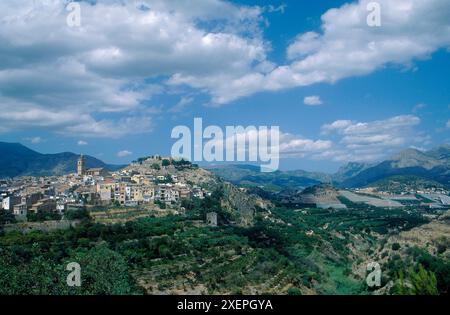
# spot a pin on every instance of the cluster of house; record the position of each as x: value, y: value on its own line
x: 95, y: 186
x: 129, y: 189
x: 34, y: 195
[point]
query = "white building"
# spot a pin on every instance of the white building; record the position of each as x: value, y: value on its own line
x: 9, y: 202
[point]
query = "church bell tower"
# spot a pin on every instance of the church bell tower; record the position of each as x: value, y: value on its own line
x: 81, y: 166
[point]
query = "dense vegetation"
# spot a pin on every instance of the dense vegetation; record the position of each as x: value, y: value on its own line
x: 419, y: 273
x: 291, y: 251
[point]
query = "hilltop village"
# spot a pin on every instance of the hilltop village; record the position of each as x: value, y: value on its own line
x: 160, y: 184
x: 151, y: 181
x: 175, y: 228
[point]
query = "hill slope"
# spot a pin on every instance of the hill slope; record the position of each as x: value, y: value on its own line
x: 431, y: 165
x: 250, y: 176
x: 349, y: 170
x: 18, y: 160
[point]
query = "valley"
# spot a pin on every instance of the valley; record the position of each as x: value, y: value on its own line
x: 259, y: 234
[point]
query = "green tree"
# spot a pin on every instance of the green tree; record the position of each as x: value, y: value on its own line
x: 421, y: 282
x: 165, y: 162
x: 77, y: 214
x: 20, y: 274
x: 6, y: 217
x: 103, y: 271
x: 294, y: 291
x: 395, y: 246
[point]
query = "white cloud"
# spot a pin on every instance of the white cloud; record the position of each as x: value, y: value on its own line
x: 336, y: 125
x: 92, y: 81
x: 289, y: 145
x: 418, y: 107
x: 295, y: 146
x: 370, y: 141
x: 181, y: 105
x: 34, y: 140
x: 82, y: 142
x: 312, y: 100
x: 350, y: 128
x: 124, y: 153
x: 303, y: 45
x: 109, y: 129
x: 345, y: 47
x: 448, y: 124
x: 74, y: 75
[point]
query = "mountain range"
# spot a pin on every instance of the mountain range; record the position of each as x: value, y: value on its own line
x: 432, y: 165
x: 18, y: 160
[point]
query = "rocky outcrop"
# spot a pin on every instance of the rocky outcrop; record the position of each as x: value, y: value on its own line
x: 241, y: 203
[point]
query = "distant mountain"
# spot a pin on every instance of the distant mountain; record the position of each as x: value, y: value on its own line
x: 431, y: 165
x: 251, y: 176
x: 441, y: 153
x: 18, y: 160
x: 349, y: 170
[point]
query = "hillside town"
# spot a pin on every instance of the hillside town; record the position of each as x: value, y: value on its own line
x: 160, y: 182
x: 148, y: 181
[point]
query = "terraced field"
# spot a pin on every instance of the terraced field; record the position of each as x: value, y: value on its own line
x: 122, y: 215
x: 272, y: 257
x: 286, y: 251
x: 371, y: 201
x: 218, y: 266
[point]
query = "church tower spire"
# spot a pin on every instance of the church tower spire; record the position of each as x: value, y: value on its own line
x: 81, y: 166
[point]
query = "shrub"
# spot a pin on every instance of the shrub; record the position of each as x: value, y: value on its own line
x: 294, y: 291
x: 395, y: 246
x: 165, y: 162
x: 422, y: 282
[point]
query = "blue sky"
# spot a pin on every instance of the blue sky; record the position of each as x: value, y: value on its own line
x: 115, y: 87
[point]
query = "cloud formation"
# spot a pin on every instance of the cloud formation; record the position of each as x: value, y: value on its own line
x: 345, y: 140
x: 312, y: 100
x: 345, y: 47
x: 34, y: 140
x: 181, y: 105
x: 418, y: 107
x: 124, y: 153
x: 66, y: 78
x: 97, y: 80
x: 371, y: 141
